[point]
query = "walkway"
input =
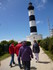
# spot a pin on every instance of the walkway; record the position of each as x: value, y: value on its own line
x: 44, y: 63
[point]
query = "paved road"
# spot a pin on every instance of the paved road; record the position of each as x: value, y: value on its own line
x: 44, y: 63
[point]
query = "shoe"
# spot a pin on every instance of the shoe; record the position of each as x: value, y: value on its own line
x: 13, y: 62
x: 21, y: 67
x: 10, y: 65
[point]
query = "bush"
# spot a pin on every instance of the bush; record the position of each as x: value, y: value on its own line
x: 1, y: 49
x: 39, y: 41
x: 12, y: 41
x: 4, y: 46
x: 51, y: 45
x: 28, y: 43
x: 45, y: 43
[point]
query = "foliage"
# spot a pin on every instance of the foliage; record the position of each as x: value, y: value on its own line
x: 51, y: 45
x: 4, y: 56
x: 47, y: 44
x: 38, y: 41
x: 28, y: 43
x: 12, y: 41
x: 4, y: 46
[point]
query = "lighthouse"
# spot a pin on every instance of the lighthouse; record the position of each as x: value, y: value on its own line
x: 32, y: 24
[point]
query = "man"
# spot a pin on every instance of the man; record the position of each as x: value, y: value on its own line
x: 11, y: 51
x: 25, y: 53
x: 17, y: 47
x: 36, y: 50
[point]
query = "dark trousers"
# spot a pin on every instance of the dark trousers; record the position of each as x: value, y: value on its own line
x: 19, y: 63
x: 12, y: 59
x: 26, y: 65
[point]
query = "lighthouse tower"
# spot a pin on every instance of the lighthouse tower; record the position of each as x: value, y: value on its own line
x: 32, y: 23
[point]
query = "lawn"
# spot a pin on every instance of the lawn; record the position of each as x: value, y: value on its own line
x: 4, y: 56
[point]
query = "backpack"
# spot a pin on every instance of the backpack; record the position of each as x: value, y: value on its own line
x: 36, y: 48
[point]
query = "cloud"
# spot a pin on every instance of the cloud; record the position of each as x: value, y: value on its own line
x: 3, y: 3
x: 39, y: 22
x: 0, y: 4
x: 44, y: 1
x: 4, y: 39
x: 40, y: 4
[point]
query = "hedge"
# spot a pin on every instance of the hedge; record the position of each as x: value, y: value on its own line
x: 4, y: 46
x: 47, y: 44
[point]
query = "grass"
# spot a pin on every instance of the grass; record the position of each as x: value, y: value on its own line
x: 49, y: 54
x: 4, y: 56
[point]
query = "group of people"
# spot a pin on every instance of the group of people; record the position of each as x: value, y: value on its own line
x: 24, y: 54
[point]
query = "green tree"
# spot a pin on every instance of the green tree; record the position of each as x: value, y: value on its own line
x: 5, y: 46
x: 12, y: 41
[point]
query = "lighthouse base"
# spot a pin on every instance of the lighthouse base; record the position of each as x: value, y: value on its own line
x: 33, y: 37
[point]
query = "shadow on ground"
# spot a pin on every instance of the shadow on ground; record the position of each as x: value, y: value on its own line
x: 33, y: 68
x: 44, y: 62
x: 15, y: 65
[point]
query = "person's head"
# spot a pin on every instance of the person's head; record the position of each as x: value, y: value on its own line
x: 34, y: 41
x: 24, y: 43
x: 11, y: 45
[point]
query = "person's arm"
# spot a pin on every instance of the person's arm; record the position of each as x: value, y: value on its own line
x: 31, y: 53
x: 19, y: 55
x: 39, y: 48
x: 33, y: 48
x: 9, y: 50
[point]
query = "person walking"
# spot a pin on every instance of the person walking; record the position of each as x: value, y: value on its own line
x: 11, y: 52
x: 25, y: 53
x: 17, y: 47
x: 36, y: 50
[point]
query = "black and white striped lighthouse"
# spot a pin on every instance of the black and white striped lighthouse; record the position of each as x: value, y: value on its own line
x: 32, y: 23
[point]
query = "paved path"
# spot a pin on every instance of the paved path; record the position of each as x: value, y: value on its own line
x: 44, y: 63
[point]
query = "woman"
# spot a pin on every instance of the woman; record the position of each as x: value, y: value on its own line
x: 36, y: 50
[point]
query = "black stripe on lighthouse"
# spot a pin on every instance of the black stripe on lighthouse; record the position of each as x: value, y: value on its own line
x: 32, y: 17
x: 33, y: 29
x: 30, y: 6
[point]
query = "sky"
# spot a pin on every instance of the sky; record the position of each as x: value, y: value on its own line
x: 14, y: 19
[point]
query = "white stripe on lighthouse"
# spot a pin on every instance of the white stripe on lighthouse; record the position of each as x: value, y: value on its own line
x: 32, y: 23
x: 33, y: 33
x: 31, y: 12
